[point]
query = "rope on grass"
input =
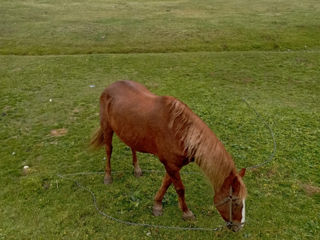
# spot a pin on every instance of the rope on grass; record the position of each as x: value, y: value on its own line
x: 94, y: 199
x: 129, y: 223
x: 270, y: 158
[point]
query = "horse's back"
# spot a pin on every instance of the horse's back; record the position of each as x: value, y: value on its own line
x: 129, y: 100
x: 123, y: 90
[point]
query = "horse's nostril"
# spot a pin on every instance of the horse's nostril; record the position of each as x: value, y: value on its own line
x: 234, y: 227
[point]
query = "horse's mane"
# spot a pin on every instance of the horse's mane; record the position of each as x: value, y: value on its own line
x: 201, y: 143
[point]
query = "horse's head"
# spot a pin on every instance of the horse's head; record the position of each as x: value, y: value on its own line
x: 230, y: 200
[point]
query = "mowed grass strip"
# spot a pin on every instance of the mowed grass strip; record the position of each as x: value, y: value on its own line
x: 40, y: 96
x: 34, y: 27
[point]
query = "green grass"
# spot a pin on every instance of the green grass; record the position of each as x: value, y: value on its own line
x: 82, y: 26
x: 283, y: 87
x: 204, y: 63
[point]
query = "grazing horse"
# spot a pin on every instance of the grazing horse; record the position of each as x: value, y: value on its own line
x: 167, y: 128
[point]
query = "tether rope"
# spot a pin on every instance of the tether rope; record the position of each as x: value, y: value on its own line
x: 271, y: 133
x: 94, y: 199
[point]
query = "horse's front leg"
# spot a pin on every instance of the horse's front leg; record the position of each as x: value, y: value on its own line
x: 178, y: 185
x: 157, y: 207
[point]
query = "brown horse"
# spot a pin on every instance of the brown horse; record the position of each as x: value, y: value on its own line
x: 167, y: 128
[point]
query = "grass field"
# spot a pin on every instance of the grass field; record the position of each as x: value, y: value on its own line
x: 96, y: 26
x: 209, y: 54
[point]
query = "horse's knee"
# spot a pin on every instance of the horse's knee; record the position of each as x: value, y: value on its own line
x: 180, y: 191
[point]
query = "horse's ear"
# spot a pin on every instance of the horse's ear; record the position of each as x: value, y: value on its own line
x: 242, y: 172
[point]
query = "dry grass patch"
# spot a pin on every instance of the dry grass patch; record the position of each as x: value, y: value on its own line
x: 309, y: 189
x: 59, y: 132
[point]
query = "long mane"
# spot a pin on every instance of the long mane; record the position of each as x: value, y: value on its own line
x: 200, y: 143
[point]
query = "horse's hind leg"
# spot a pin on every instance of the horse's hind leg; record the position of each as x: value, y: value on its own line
x: 137, y: 169
x: 108, y: 133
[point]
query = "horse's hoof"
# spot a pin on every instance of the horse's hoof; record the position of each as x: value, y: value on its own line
x: 138, y: 173
x: 107, y: 180
x: 157, y: 210
x: 188, y: 216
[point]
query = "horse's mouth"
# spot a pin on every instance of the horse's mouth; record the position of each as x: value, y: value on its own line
x: 234, y: 227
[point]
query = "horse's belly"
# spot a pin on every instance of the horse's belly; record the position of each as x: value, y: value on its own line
x: 137, y: 140
x: 140, y: 131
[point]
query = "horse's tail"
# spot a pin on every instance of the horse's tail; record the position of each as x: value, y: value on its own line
x: 97, y: 139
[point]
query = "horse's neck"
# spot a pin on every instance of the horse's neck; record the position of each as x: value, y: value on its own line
x: 201, y: 143
x: 214, y: 160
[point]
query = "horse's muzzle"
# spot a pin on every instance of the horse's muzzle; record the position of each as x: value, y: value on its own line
x: 234, y: 227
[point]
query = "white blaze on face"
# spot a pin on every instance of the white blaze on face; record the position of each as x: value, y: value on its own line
x: 243, y: 219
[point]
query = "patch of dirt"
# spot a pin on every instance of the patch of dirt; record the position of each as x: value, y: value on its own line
x: 76, y: 110
x: 310, y: 189
x: 59, y: 132
x: 247, y: 80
